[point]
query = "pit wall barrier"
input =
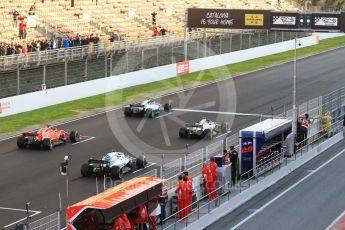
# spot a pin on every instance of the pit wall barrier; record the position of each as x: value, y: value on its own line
x: 48, y: 97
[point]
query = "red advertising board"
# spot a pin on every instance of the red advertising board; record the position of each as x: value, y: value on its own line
x: 182, y: 68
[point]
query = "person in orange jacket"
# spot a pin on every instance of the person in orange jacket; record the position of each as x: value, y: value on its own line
x: 213, y: 168
x: 191, y: 190
x: 181, y: 191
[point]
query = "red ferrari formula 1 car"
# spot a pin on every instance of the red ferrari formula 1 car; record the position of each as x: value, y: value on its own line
x: 47, y: 138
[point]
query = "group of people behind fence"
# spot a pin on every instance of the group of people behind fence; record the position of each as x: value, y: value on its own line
x: 209, y: 171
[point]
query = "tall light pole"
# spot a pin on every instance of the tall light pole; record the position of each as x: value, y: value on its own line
x: 294, y: 109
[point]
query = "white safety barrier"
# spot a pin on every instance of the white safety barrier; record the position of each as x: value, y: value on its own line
x: 48, y: 97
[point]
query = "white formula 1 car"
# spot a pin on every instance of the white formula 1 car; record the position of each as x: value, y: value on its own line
x: 203, y: 128
x: 113, y: 164
x: 147, y: 108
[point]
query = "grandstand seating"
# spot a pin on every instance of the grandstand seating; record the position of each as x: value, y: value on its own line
x: 130, y: 19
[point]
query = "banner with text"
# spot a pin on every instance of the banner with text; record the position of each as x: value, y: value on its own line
x: 229, y: 19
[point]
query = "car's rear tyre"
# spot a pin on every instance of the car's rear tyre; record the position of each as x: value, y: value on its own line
x: 167, y: 107
x: 127, y: 112
x: 116, y: 173
x: 74, y: 136
x: 149, y: 113
x: 141, y: 162
x: 48, y: 144
x: 183, y: 133
x: 22, y: 142
x: 86, y: 170
x: 207, y: 134
x: 224, y: 127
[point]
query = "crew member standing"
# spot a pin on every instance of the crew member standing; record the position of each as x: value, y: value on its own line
x: 233, y: 160
x: 189, y: 192
x: 226, y: 156
x: 305, y: 122
x: 163, y: 199
x: 181, y: 191
x: 213, y: 168
x: 207, y: 176
x: 190, y: 185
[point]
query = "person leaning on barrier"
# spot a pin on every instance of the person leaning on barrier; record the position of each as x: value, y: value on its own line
x: 305, y: 122
x: 326, y: 123
x: 190, y: 185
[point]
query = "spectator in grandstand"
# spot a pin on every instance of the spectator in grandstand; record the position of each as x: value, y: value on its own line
x: 113, y: 37
x: 162, y: 31
x: 32, y: 9
x: 22, y: 30
x: 155, y: 32
x: 66, y: 42
x: 15, y: 18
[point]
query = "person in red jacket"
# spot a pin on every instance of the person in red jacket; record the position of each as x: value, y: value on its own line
x: 213, y: 168
x: 191, y: 190
x: 208, y: 179
x: 181, y: 191
x: 141, y: 216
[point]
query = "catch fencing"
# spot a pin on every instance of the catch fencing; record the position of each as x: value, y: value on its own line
x: 60, y: 67
x: 51, y: 222
x: 316, y: 108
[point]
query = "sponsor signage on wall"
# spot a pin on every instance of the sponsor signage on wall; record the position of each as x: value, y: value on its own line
x: 4, y: 105
x: 182, y: 68
x: 264, y: 19
x: 321, y: 21
x: 284, y: 20
x: 228, y: 19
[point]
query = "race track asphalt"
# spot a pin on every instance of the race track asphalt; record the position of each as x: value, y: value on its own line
x: 314, y: 203
x: 33, y: 175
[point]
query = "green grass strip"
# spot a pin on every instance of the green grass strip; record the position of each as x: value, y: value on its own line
x: 51, y: 114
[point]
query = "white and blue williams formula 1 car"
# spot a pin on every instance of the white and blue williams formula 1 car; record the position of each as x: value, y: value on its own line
x: 148, y: 108
x: 204, y: 128
x: 113, y: 164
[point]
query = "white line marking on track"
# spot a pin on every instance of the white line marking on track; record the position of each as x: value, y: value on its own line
x: 165, y: 132
x: 164, y: 115
x: 223, y: 134
x: 335, y: 221
x: 88, y: 139
x: 148, y: 165
x: 16, y: 209
x: 18, y: 221
x: 286, y: 191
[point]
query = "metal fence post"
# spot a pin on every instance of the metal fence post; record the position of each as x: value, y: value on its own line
x: 220, y: 44
x: 106, y: 65
x: 58, y: 219
x: 230, y: 42
x: 65, y: 67
x: 259, y: 38
x: 275, y: 36
x: 250, y: 41
x: 157, y: 55
x: 85, y: 70
x: 18, y: 79
x: 142, y: 59
x: 241, y: 35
